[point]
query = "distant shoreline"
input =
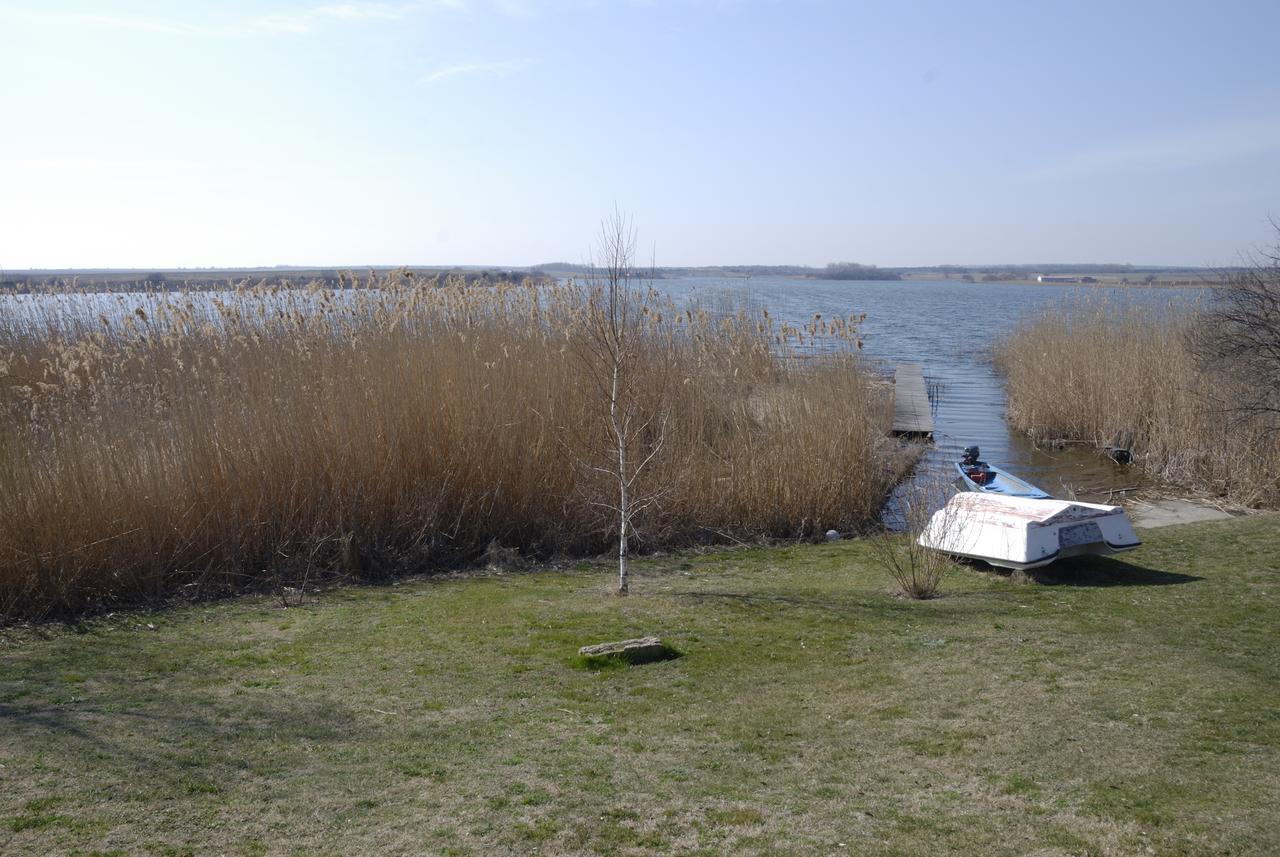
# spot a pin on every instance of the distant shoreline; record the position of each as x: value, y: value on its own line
x: 164, y: 279
x: 1208, y: 281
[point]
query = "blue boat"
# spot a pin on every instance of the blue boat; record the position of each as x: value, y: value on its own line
x: 976, y: 475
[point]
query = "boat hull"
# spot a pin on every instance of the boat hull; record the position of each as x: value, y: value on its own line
x: 1002, y: 483
x: 1023, y: 533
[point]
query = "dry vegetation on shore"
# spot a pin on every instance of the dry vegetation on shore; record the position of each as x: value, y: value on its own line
x: 1102, y: 372
x: 209, y: 443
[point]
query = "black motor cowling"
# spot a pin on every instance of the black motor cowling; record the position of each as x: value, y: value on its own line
x: 971, y: 454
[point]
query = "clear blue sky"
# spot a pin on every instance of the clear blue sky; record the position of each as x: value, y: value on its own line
x: 501, y: 131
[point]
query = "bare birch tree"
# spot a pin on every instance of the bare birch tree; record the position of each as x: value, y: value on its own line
x: 612, y: 348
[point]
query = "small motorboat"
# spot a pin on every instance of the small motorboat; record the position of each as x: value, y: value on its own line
x: 977, y: 475
x: 1026, y: 532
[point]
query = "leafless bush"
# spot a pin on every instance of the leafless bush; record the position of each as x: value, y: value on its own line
x: 1237, y: 338
x: 917, y: 570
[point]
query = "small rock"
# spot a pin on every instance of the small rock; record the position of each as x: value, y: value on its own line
x: 638, y: 651
x: 833, y: 536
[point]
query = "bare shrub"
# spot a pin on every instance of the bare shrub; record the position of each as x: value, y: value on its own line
x: 208, y: 442
x: 917, y: 570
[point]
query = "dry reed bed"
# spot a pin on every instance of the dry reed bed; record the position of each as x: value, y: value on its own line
x: 1098, y: 372
x: 210, y: 443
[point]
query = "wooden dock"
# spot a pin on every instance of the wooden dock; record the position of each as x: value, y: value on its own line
x: 911, y: 414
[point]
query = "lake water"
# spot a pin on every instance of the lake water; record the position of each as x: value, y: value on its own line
x: 948, y: 327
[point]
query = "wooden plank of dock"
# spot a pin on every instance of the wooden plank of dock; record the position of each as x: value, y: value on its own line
x: 911, y: 414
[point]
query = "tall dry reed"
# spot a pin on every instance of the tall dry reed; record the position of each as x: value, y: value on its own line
x: 1097, y: 372
x: 207, y: 443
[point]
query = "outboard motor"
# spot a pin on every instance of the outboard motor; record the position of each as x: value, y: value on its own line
x: 971, y: 454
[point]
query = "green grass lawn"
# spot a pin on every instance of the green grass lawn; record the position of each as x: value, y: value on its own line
x: 1120, y: 708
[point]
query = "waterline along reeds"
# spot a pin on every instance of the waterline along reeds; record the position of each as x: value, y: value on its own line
x: 203, y: 443
x: 1098, y: 372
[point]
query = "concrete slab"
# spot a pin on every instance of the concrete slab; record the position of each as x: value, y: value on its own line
x: 1166, y: 513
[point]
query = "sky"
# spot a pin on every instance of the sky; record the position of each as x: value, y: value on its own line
x: 501, y: 132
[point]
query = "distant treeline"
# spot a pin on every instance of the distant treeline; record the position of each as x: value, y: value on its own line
x: 972, y: 273
x: 1022, y: 272
x: 833, y: 271
x: 107, y: 280
x: 119, y: 280
x: 854, y: 271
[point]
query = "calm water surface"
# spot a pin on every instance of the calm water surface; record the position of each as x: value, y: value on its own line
x: 948, y: 327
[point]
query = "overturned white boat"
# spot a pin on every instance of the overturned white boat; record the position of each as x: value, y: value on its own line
x: 1021, y: 532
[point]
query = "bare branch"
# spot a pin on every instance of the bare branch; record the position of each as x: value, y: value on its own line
x: 1238, y: 339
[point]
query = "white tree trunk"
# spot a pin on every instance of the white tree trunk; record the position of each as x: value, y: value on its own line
x: 624, y: 498
x: 622, y: 549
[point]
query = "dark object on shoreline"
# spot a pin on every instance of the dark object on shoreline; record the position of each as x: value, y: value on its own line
x: 1120, y: 450
x: 1060, y: 443
x: 639, y: 651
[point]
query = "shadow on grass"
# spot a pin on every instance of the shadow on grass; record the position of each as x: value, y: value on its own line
x: 300, y: 719
x: 765, y: 601
x: 172, y: 743
x: 1104, y: 571
x: 954, y: 604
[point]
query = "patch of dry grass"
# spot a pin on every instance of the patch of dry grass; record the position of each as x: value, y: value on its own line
x: 1101, y: 372
x: 203, y: 443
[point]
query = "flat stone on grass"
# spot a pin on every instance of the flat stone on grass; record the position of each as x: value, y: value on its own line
x: 642, y: 650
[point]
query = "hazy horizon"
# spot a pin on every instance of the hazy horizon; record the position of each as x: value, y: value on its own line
x: 499, y: 132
